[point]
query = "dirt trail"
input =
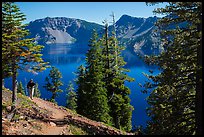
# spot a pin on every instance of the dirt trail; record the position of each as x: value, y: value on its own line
x: 55, y: 114
x: 49, y: 130
x: 56, y: 120
x: 59, y: 119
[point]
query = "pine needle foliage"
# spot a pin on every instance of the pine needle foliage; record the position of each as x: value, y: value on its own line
x: 102, y: 94
x: 18, y: 52
x: 175, y: 103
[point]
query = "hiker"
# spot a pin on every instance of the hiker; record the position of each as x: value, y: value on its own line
x: 30, y: 87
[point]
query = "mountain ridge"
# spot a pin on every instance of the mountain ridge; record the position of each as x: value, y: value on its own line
x: 48, y: 30
x: 136, y: 33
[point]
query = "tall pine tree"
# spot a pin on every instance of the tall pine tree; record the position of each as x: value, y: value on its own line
x: 115, y: 77
x: 17, y: 51
x: 174, y: 102
x: 102, y: 94
x: 97, y: 95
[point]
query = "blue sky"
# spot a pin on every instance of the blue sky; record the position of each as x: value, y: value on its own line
x: 89, y: 11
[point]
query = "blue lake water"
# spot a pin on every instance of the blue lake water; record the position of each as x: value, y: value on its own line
x: 67, y: 58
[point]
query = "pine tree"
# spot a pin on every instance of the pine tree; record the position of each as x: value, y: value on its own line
x: 36, y: 91
x: 53, y: 83
x: 115, y: 77
x: 102, y: 94
x: 20, y: 89
x: 82, y: 97
x: 17, y: 51
x: 174, y: 102
x: 71, y: 97
x: 97, y: 95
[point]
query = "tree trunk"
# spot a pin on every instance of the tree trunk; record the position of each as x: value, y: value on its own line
x: 198, y: 110
x: 198, y: 103
x: 115, y: 44
x: 107, y: 48
x: 14, y: 91
x: 53, y: 95
x: 2, y: 83
x: 117, y: 123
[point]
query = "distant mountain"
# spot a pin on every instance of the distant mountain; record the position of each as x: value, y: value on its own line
x: 61, y: 30
x: 137, y: 34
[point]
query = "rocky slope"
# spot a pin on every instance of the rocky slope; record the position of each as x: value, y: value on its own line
x: 135, y: 33
x: 138, y: 34
x: 61, y: 30
x: 40, y: 117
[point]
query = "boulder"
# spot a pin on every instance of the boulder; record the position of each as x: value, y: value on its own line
x: 52, y: 124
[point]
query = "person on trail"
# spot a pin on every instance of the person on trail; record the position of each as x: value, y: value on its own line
x: 30, y: 87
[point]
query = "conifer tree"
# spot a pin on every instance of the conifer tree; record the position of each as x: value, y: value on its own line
x: 102, y: 94
x: 174, y: 102
x: 115, y: 77
x: 20, y: 89
x: 17, y: 51
x: 97, y: 95
x: 82, y: 97
x: 71, y: 97
x: 53, y: 82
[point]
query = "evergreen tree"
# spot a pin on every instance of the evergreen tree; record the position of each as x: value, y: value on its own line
x: 53, y: 82
x: 102, y: 94
x: 17, y: 51
x: 115, y: 77
x: 20, y: 89
x: 174, y: 102
x: 97, y: 95
x: 71, y: 97
x: 82, y: 97
x: 36, y: 91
